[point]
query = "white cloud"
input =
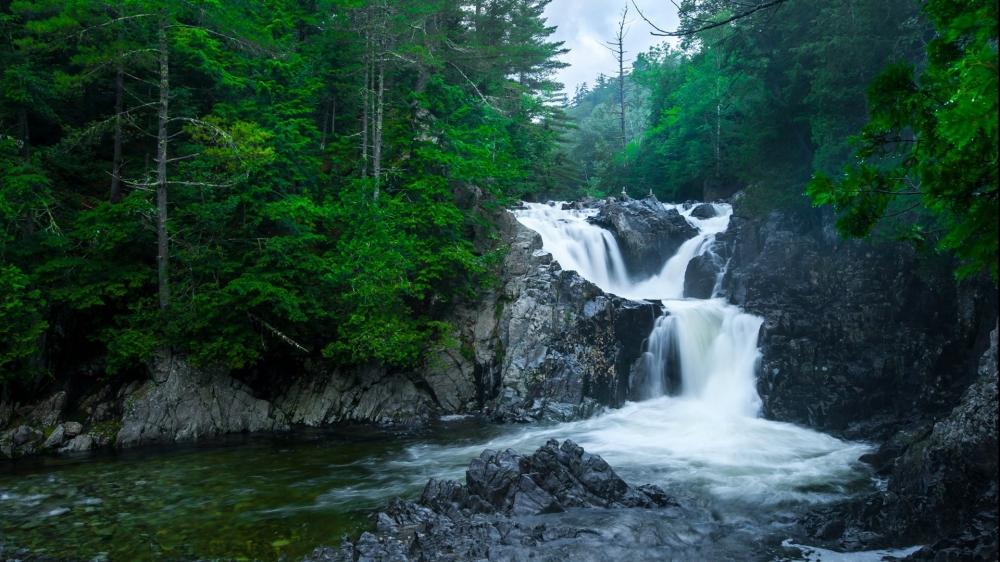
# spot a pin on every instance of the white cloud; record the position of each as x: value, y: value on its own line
x: 586, y: 25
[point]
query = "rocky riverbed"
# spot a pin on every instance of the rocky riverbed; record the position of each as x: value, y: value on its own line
x: 866, y: 340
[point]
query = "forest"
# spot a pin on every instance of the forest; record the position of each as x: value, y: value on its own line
x: 342, y: 280
x: 245, y: 184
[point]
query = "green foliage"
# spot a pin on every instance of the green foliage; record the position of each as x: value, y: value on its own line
x: 931, y: 144
x: 21, y: 319
x: 278, y: 247
x: 756, y: 104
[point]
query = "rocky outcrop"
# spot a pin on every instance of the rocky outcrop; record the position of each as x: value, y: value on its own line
x: 514, y: 507
x: 859, y: 337
x: 940, y: 484
x: 371, y: 394
x: 559, y: 346
x: 647, y: 234
x: 181, y: 403
x: 870, y: 340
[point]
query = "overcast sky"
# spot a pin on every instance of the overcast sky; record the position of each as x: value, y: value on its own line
x: 585, y: 26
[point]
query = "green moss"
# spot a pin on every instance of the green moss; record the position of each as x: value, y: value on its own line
x: 106, y: 429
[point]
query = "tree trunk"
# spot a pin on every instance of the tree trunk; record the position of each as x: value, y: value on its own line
x: 620, y: 51
x: 162, y: 239
x: 116, y: 162
x: 22, y: 116
x: 379, y: 113
x: 366, y: 94
x: 718, y: 116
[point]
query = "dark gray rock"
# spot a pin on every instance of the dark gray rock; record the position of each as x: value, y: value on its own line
x: 100, y: 405
x: 79, y: 444
x: 647, y: 234
x: 20, y: 441
x: 72, y: 429
x: 48, y: 412
x: 859, y: 338
x: 704, y: 211
x: 371, y: 394
x: 548, y: 506
x: 184, y: 404
x: 25, y: 434
x: 701, y: 275
x: 56, y: 438
x: 549, y: 344
x: 870, y: 340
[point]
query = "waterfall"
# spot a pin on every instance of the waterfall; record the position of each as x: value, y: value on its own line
x: 713, y: 344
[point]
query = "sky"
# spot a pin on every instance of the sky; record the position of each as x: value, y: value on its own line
x: 585, y: 26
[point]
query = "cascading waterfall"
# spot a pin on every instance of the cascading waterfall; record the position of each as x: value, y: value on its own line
x: 713, y: 343
x: 698, y: 422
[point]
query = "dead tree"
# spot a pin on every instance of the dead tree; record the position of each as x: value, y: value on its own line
x: 617, y: 48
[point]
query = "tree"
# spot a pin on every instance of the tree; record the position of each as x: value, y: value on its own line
x: 617, y: 47
x: 931, y: 143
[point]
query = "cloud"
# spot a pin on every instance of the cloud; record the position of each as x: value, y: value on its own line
x: 586, y: 25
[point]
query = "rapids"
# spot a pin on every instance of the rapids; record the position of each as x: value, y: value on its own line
x: 709, y: 436
x: 697, y: 433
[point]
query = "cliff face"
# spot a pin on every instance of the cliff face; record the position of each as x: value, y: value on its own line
x: 871, y: 341
x: 858, y: 336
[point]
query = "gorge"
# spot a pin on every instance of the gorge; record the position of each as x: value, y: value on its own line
x: 682, y: 382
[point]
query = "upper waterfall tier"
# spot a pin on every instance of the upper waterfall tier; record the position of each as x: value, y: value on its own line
x: 593, y: 252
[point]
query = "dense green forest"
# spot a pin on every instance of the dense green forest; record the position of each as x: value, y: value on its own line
x: 227, y: 178
x: 897, y: 98
x: 239, y: 182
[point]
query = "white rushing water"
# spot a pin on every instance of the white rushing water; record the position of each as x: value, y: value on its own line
x: 709, y: 435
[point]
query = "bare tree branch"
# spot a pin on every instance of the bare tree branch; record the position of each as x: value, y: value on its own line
x: 660, y: 32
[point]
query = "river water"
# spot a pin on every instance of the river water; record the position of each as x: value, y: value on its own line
x: 268, y: 498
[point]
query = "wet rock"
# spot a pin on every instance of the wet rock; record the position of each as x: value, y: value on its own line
x: 701, y: 275
x: 557, y: 476
x: 647, y: 234
x: 918, y: 389
x: 704, y: 211
x: 551, y: 505
x: 19, y: 441
x: 372, y: 394
x: 55, y: 439
x: 48, y: 412
x: 79, y: 444
x: 183, y: 404
x: 549, y: 344
x: 72, y: 429
x: 829, y: 361
x: 24, y: 434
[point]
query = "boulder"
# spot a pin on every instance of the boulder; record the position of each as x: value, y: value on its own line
x: 554, y: 478
x: 830, y: 360
x: 79, y: 444
x: 23, y: 435
x: 20, y: 441
x: 72, y: 429
x: 647, y: 233
x: 704, y: 211
x: 870, y: 340
x: 56, y: 438
x: 559, y: 503
x: 701, y: 275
